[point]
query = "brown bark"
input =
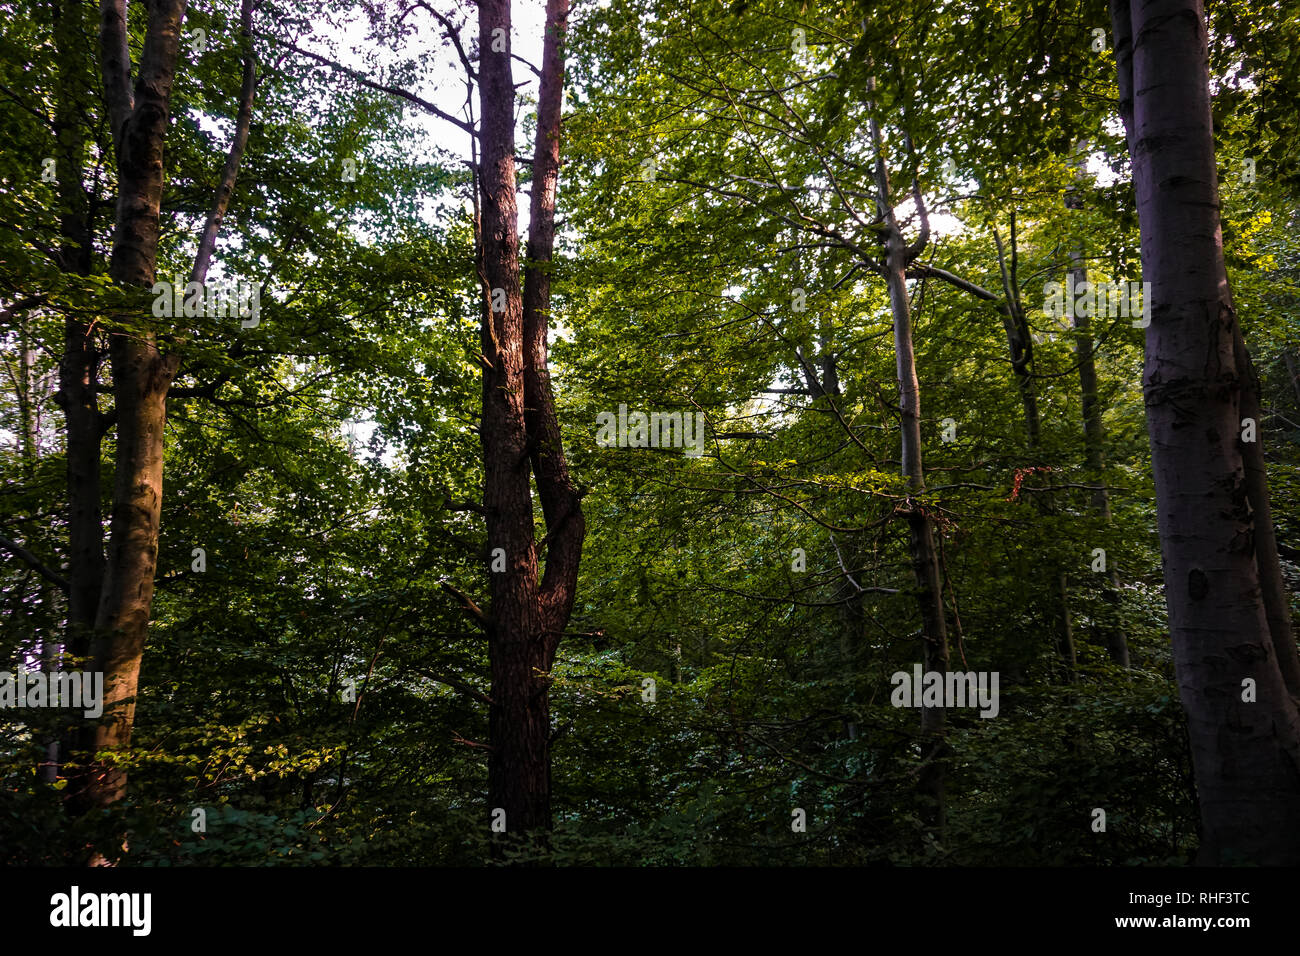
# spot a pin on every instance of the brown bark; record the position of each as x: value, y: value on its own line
x: 520, y: 428
x: 141, y: 375
x: 518, y: 768
x: 1246, y: 755
x: 561, y: 504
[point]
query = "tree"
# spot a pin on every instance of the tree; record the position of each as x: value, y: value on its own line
x: 519, y: 427
x: 142, y: 372
x: 1245, y: 743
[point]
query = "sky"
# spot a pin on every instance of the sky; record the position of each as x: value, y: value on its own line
x: 444, y: 87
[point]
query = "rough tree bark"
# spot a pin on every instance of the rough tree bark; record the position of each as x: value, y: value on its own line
x: 1246, y: 754
x: 561, y: 501
x: 519, y: 428
x: 142, y: 375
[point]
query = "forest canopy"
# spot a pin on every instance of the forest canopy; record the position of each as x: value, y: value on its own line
x: 779, y: 432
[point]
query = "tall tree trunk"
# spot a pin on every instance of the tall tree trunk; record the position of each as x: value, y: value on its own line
x: 520, y: 427
x: 79, y: 367
x: 925, y: 557
x: 1094, y: 434
x: 518, y: 767
x: 78, y: 394
x: 561, y: 501
x: 141, y: 374
x: 1246, y: 753
x: 1277, y: 601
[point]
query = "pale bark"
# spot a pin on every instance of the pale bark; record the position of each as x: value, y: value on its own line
x: 924, y: 555
x: 1094, y: 433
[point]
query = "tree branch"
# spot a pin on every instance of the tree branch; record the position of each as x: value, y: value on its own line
x: 221, y: 200
x: 468, y: 605
x: 366, y: 81
x: 34, y: 562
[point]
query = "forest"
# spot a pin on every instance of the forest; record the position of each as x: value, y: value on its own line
x: 649, y: 433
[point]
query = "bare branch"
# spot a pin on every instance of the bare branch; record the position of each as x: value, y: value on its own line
x: 468, y: 605
x: 366, y: 81
x: 221, y: 200
x: 34, y: 562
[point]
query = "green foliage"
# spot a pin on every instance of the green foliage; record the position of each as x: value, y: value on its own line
x: 318, y: 692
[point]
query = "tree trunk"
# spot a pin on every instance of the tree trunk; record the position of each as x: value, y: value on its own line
x: 1277, y: 602
x: 561, y: 502
x: 1094, y: 433
x: 79, y: 367
x: 519, y: 718
x: 520, y: 428
x: 924, y: 555
x: 1020, y: 343
x: 1246, y: 753
x: 78, y: 394
x: 141, y: 374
